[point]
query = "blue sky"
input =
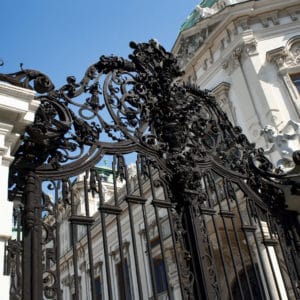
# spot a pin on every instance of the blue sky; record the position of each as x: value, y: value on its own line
x: 63, y: 37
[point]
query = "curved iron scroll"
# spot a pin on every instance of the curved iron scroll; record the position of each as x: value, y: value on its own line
x: 121, y: 106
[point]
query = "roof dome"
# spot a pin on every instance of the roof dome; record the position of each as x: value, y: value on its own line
x: 205, y: 9
x: 201, y: 11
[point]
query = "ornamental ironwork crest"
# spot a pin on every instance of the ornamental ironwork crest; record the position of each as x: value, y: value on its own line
x: 185, y: 208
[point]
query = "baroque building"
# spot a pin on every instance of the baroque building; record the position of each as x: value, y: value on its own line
x: 110, y: 234
x: 247, y: 54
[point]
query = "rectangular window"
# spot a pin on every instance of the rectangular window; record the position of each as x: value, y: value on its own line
x: 98, y: 288
x: 296, y: 81
x: 160, y: 275
x: 124, y: 294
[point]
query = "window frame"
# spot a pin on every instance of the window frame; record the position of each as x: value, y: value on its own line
x: 286, y: 60
x: 296, y: 86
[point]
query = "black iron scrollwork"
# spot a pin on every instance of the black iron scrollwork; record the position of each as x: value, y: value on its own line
x: 123, y: 103
x: 121, y: 106
x: 72, y: 124
x: 41, y: 83
x: 145, y: 105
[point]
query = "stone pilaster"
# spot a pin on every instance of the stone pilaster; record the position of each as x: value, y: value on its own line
x: 17, y: 109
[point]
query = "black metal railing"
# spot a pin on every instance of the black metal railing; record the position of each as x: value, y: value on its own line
x: 187, y: 208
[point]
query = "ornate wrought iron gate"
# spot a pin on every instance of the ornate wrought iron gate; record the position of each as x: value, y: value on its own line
x: 130, y: 185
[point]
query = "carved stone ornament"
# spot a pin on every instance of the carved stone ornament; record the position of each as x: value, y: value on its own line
x: 233, y: 61
x: 284, y: 143
x: 246, y: 48
x: 221, y: 92
x: 270, y: 19
x: 243, y: 23
x: 286, y: 57
x: 190, y: 44
x: 250, y: 46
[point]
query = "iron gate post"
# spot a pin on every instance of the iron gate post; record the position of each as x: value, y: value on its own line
x: 32, y: 239
x: 197, y: 239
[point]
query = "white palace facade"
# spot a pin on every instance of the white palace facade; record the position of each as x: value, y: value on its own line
x: 247, y: 53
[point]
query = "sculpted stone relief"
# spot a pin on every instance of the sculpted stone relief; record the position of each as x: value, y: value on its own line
x: 286, y: 57
x: 190, y: 44
x: 284, y: 142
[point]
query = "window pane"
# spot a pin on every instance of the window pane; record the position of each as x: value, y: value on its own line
x: 122, y: 282
x: 296, y: 80
x: 160, y: 275
x: 98, y: 288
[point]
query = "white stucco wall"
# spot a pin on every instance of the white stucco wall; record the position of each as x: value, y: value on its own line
x: 17, y: 109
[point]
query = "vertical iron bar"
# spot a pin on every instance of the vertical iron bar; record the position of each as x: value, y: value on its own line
x: 26, y: 262
x: 161, y: 242
x: 89, y: 238
x: 269, y: 256
x: 171, y: 224
x: 57, y: 242
x: 210, y: 247
x: 19, y: 271
x: 146, y: 231
x: 138, y: 276
x: 119, y: 230
x: 261, y: 260
x: 225, y: 185
x: 228, y: 239
x: 104, y: 238
x: 257, y: 276
x: 285, y: 259
x: 73, y: 240
x: 32, y: 255
x: 37, y: 260
x: 218, y: 241
x: 59, y: 292
x: 176, y: 253
x: 193, y: 240
x: 276, y: 252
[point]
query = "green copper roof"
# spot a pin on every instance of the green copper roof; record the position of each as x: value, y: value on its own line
x: 195, y: 17
x: 208, y: 3
x: 191, y: 20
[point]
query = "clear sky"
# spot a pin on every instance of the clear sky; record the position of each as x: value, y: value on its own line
x: 63, y: 37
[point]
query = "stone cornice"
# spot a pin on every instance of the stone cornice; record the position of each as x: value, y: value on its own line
x: 23, y: 99
x: 239, y: 20
x: 16, y: 92
x: 9, y: 142
x: 246, y: 47
x: 5, y: 128
x: 17, y: 110
x: 221, y: 89
x: 221, y: 92
x: 277, y: 56
x: 233, y: 60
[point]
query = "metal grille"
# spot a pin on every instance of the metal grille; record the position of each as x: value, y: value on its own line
x: 131, y: 186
